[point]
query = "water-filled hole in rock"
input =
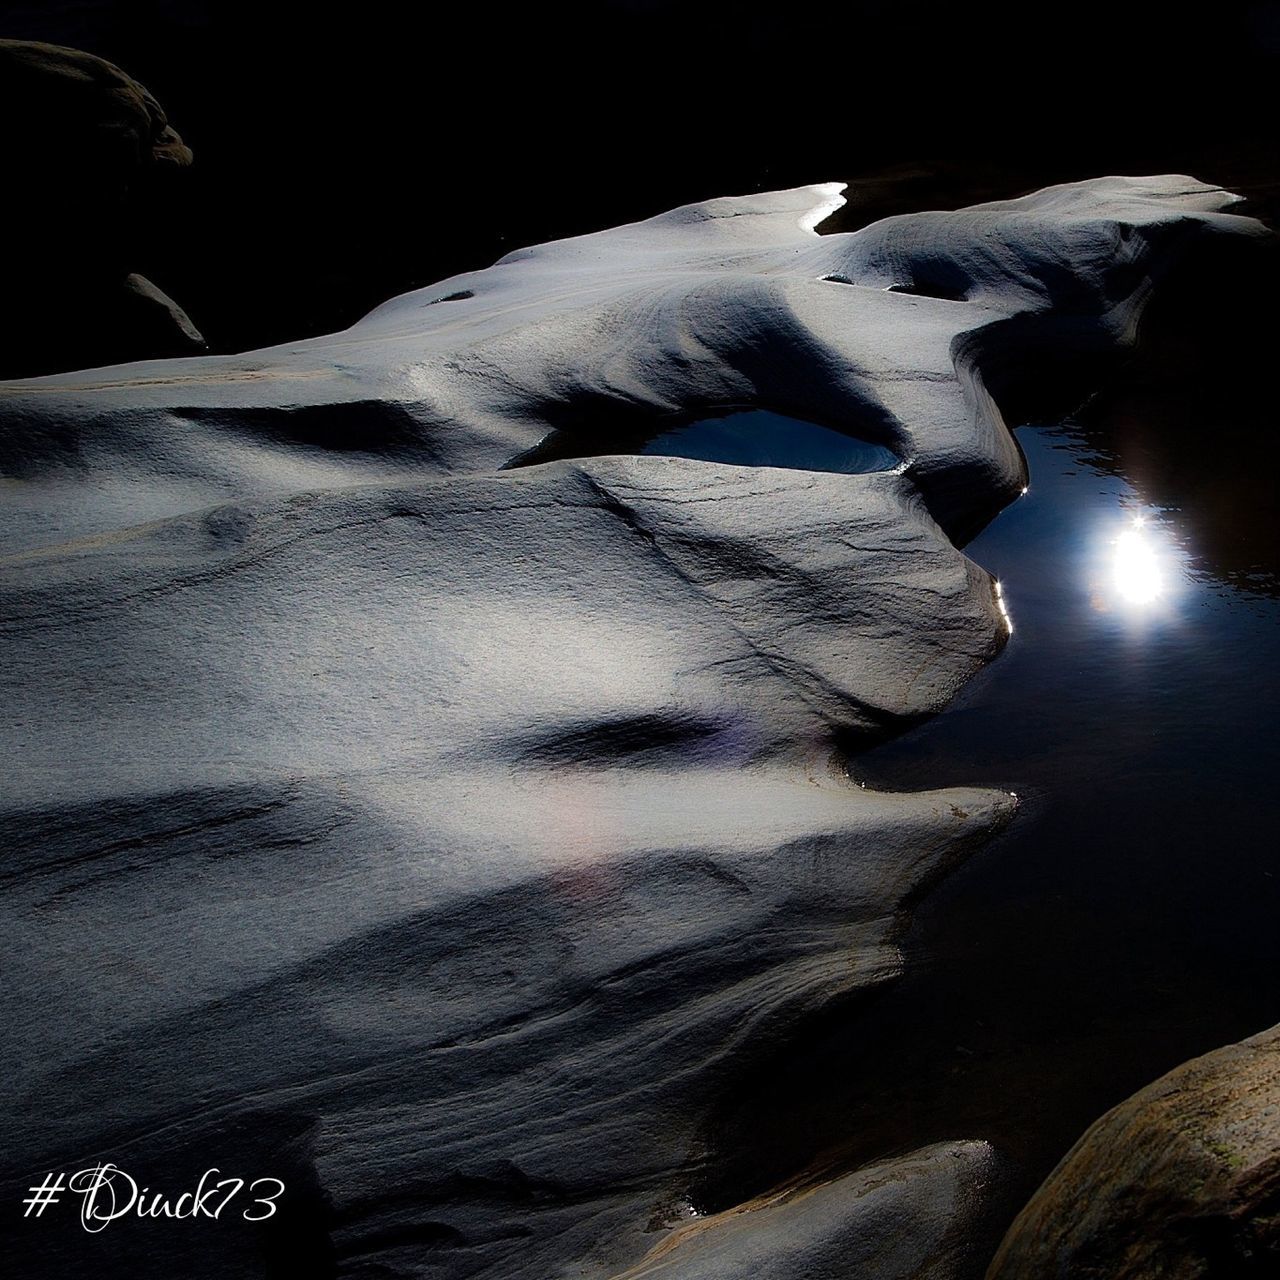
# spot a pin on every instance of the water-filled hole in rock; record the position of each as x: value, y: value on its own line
x: 761, y: 438
x: 920, y: 289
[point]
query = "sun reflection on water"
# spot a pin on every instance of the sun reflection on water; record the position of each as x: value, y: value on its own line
x: 1138, y: 567
x: 1137, y: 573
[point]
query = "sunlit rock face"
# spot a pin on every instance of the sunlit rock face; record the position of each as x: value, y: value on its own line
x: 1181, y: 1181
x: 438, y: 829
x: 892, y: 334
x: 486, y: 824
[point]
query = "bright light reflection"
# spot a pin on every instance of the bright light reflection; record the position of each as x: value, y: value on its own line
x: 1004, y: 608
x: 1135, y: 565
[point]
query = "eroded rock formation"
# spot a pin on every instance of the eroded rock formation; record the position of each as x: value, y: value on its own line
x: 433, y: 828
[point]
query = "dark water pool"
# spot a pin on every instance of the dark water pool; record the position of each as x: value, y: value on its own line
x: 738, y: 437
x: 1128, y: 919
x: 761, y: 438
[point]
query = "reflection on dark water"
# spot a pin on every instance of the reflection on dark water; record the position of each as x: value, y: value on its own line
x: 760, y: 438
x: 1127, y: 919
x: 1192, y: 422
x: 1207, y: 457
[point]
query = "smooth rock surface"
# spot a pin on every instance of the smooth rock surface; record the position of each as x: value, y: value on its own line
x: 1181, y: 1181
x: 506, y: 804
x: 905, y: 1219
x: 438, y: 834
x: 731, y: 303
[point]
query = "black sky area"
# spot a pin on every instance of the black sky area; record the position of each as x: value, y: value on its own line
x: 344, y: 156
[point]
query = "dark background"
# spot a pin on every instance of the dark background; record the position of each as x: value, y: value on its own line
x: 343, y: 157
